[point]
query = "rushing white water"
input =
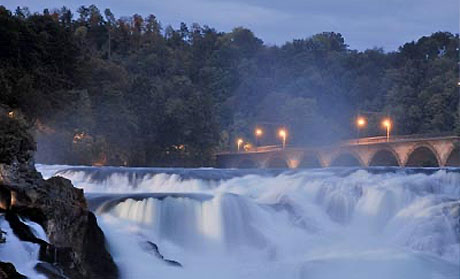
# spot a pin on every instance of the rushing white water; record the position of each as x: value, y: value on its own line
x: 328, y: 223
x: 23, y: 255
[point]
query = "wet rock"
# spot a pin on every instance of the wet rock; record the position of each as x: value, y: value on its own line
x: 76, y: 243
x: 8, y: 271
x: 21, y: 230
x: 100, y: 261
x: 51, y: 271
x: 153, y: 248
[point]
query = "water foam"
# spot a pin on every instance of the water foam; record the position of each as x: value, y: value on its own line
x: 331, y: 223
x: 23, y: 255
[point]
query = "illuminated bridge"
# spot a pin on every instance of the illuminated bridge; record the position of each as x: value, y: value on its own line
x: 403, y: 151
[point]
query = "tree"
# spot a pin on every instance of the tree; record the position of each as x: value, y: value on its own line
x: 101, y: 89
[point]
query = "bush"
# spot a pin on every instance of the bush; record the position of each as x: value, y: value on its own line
x: 16, y: 143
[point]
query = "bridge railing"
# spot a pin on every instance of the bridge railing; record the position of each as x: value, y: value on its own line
x: 380, y: 139
x: 360, y: 141
x: 259, y: 149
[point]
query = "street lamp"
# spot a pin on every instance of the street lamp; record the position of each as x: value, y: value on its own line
x: 239, y: 142
x: 386, y: 123
x: 258, y: 133
x: 283, y: 134
x: 360, y: 123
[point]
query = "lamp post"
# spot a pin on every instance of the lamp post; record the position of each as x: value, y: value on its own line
x: 239, y: 142
x: 360, y: 123
x: 283, y: 134
x: 258, y: 132
x: 386, y: 123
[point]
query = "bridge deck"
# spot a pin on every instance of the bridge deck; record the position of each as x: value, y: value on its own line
x: 400, y: 150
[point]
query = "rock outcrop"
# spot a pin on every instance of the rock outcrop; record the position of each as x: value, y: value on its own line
x: 153, y: 248
x: 7, y: 271
x: 76, y: 247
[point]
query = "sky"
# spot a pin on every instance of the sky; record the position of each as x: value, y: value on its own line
x: 363, y: 23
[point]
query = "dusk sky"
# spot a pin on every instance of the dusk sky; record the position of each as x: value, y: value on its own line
x: 363, y: 23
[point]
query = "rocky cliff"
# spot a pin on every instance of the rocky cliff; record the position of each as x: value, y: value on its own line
x: 76, y: 246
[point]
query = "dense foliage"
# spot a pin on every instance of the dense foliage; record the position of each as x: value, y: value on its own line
x: 16, y: 143
x: 127, y: 91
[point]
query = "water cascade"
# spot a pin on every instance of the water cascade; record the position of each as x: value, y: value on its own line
x: 321, y: 223
x: 24, y: 255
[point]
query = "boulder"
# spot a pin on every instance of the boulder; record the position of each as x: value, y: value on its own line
x: 76, y: 243
x: 7, y: 271
x: 51, y: 271
x: 149, y: 246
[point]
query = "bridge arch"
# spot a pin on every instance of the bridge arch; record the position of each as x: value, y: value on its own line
x: 246, y: 164
x: 277, y: 162
x: 423, y: 155
x: 385, y: 157
x: 346, y: 159
x: 310, y: 160
x: 453, y: 159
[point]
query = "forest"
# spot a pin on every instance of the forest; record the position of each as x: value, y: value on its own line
x: 97, y: 89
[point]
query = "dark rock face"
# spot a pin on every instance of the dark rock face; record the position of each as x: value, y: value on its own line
x: 77, y: 244
x: 7, y: 271
x: 153, y: 248
x: 51, y: 271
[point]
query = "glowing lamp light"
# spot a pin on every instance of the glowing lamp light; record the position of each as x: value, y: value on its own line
x: 239, y: 142
x: 386, y: 123
x: 283, y: 134
x: 258, y: 132
x: 361, y: 122
x: 247, y: 147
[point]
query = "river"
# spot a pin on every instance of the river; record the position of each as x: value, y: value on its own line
x: 381, y: 223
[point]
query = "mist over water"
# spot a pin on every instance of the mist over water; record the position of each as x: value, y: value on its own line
x: 319, y: 223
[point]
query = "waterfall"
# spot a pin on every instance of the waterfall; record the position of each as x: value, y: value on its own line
x: 322, y: 223
x: 24, y: 255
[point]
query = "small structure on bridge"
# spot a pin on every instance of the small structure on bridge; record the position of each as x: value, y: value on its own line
x: 403, y: 151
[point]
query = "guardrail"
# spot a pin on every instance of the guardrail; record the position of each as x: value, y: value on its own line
x: 360, y: 141
x: 381, y: 139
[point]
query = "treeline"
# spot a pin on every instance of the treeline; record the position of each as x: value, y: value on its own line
x: 105, y: 90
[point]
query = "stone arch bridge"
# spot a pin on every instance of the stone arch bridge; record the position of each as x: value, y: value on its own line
x: 404, y: 151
